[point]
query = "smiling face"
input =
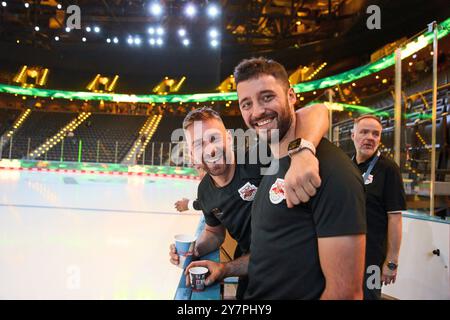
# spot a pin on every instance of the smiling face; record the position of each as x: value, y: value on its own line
x: 266, y: 105
x: 210, y: 145
x: 366, y: 137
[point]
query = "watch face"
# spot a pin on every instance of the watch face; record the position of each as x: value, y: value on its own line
x: 294, y: 144
x: 392, y: 266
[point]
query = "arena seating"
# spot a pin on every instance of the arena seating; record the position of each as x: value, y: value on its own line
x: 108, y: 137
x: 7, y: 118
x: 100, y: 134
x: 34, y: 131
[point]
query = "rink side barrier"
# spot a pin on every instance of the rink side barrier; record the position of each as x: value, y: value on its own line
x: 99, y: 168
x: 211, y: 292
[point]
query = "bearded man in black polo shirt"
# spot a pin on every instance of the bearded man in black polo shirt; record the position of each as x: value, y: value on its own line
x: 226, y: 193
x: 316, y: 249
x: 384, y: 203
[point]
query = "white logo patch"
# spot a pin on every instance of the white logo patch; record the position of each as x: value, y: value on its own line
x: 369, y: 179
x: 276, y: 192
x: 248, y: 191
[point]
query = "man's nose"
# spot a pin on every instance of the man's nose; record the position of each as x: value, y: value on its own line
x: 258, y: 111
x: 212, y: 150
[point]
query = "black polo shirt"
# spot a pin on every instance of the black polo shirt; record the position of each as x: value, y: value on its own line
x: 231, y: 205
x: 284, y: 256
x: 385, y: 193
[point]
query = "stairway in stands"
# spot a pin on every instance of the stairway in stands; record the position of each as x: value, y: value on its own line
x: 55, y: 139
x: 8, y: 136
x: 145, y: 134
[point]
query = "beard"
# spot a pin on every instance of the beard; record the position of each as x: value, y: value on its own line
x: 216, y: 165
x: 282, y: 121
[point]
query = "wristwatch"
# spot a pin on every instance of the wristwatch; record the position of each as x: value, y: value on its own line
x: 392, y: 266
x: 298, y: 145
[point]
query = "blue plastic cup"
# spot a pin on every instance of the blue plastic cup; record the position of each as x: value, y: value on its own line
x: 184, y: 244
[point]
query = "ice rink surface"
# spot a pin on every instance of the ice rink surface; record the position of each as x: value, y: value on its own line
x: 90, y: 236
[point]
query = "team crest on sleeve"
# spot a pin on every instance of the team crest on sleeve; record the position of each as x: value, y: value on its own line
x: 248, y: 191
x: 276, y: 193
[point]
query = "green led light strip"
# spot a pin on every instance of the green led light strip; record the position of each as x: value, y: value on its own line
x: 352, y: 107
x: 365, y: 110
x: 413, y: 46
x: 342, y: 78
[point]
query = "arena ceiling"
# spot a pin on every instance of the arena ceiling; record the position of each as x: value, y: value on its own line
x: 294, y: 32
x: 250, y: 25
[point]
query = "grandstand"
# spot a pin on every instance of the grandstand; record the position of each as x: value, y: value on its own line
x: 33, y: 132
x: 104, y: 138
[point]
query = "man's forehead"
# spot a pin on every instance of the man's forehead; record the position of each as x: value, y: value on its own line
x: 207, y: 124
x: 369, y: 123
x: 257, y: 84
x: 200, y: 130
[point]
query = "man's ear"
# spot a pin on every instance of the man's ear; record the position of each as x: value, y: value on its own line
x: 292, y: 98
x: 353, y: 134
x: 187, y: 146
x: 229, y: 137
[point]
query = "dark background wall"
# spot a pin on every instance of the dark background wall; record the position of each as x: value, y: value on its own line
x: 73, y: 65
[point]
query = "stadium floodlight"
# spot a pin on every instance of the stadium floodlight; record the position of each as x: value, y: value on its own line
x: 96, y: 29
x: 115, y: 40
x: 159, y: 42
x: 214, y: 43
x: 186, y: 42
x: 83, y: 39
x: 56, y: 38
x: 190, y: 10
x: 156, y: 9
x: 213, y: 33
x: 159, y: 31
x: 88, y: 29
x: 213, y: 11
x: 36, y: 28
x: 181, y: 32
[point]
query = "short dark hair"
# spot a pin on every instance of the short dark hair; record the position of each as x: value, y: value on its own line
x: 200, y: 114
x: 255, y: 67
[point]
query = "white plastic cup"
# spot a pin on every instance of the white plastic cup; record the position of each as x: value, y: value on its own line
x: 198, y: 275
